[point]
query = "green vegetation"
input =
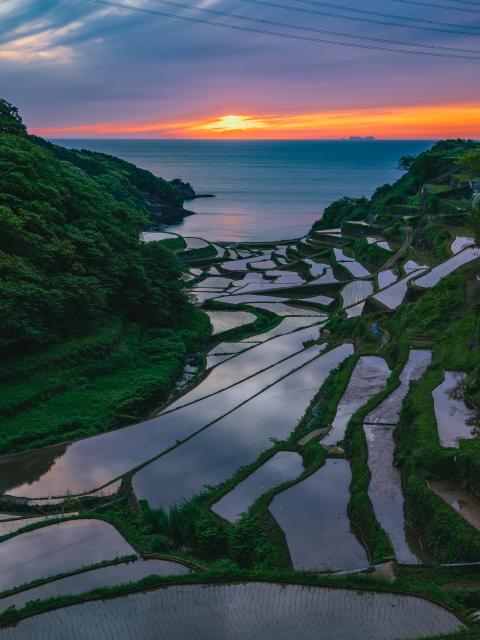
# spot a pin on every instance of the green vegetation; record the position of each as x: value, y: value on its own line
x: 87, y: 385
x: 94, y: 324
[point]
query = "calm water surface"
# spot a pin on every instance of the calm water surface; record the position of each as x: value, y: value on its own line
x: 273, y: 189
x: 235, y: 612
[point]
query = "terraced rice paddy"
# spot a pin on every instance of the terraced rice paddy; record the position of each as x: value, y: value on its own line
x: 316, y: 268
x: 48, y: 551
x: 355, y: 292
x: 385, y: 490
x: 444, y: 269
x: 201, y: 296
x: 196, y: 243
x: 327, y: 278
x: 287, y: 325
x: 86, y: 581
x: 386, y: 278
x: 257, y: 611
x: 326, y: 301
x: 98, y: 460
x: 355, y: 311
x: 215, y: 282
x: 411, y: 266
x: 388, y: 411
x: 282, y: 467
x: 368, y: 378
x: 282, y: 309
x: 236, y: 440
x: 393, y: 296
x: 340, y: 256
x: 285, y: 277
x: 454, y: 418
x: 225, y: 320
x: 13, y: 524
x: 264, y: 264
x: 356, y: 269
x: 460, y: 243
x: 242, y: 264
x: 384, y: 245
x: 313, y: 516
x: 157, y: 236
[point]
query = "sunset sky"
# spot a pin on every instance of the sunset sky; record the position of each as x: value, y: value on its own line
x: 78, y: 68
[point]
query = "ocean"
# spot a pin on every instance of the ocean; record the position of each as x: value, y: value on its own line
x: 263, y: 189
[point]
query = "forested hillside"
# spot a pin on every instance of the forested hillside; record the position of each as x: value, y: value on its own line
x: 74, y: 273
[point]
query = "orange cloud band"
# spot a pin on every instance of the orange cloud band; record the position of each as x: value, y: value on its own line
x: 430, y: 122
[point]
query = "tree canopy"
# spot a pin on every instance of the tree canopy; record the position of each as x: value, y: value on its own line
x: 69, y: 246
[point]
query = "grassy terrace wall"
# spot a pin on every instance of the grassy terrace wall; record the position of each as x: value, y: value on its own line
x: 93, y: 383
x: 255, y: 542
x: 444, y: 320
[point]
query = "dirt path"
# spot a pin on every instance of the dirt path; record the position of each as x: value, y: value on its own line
x: 406, y: 243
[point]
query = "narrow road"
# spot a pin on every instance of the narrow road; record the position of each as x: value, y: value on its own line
x: 406, y: 243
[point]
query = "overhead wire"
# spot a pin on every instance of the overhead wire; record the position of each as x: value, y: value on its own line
x: 328, y: 32
x: 437, y: 6
x: 292, y: 36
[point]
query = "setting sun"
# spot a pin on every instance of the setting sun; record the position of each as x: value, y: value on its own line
x: 233, y: 123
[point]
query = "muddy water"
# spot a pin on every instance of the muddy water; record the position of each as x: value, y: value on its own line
x: 385, y: 490
x: 58, y: 548
x: 255, y: 611
x: 90, y: 463
x: 211, y: 457
x: 284, y: 466
x: 95, y: 579
x: 453, y: 416
x: 313, y: 517
x: 368, y: 378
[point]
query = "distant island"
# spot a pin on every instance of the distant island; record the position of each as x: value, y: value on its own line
x: 359, y: 138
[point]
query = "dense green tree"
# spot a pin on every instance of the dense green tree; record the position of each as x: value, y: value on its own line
x: 69, y: 242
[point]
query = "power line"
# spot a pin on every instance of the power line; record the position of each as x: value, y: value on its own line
x: 475, y: 4
x: 361, y: 19
x: 328, y: 32
x: 437, y: 6
x: 393, y: 16
x: 290, y: 36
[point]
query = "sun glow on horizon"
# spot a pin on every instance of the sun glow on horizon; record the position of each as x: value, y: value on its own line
x: 233, y: 123
x: 417, y: 121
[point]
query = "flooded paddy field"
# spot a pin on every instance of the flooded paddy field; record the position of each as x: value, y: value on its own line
x: 258, y: 611
x: 85, y: 581
x: 386, y: 278
x: 385, y: 490
x: 226, y: 320
x: 58, y: 548
x: 368, y: 378
x: 282, y: 467
x: 236, y: 440
x: 435, y: 275
x: 12, y: 524
x: 356, y: 269
x: 454, y: 418
x: 356, y: 291
x: 313, y: 516
x: 393, y: 296
x: 93, y: 462
x: 388, y: 411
